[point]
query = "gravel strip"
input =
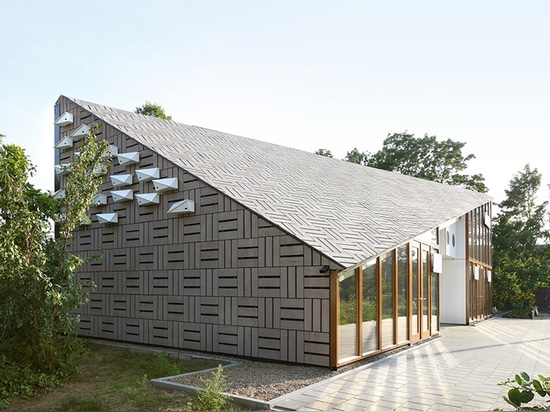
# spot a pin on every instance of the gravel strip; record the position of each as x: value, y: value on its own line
x: 265, y: 381
x: 262, y: 380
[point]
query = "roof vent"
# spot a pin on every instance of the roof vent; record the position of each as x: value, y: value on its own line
x: 62, y: 169
x: 183, y: 206
x: 83, y: 130
x: 65, y: 143
x: 60, y: 194
x: 148, y: 199
x: 121, y: 180
x: 144, y: 175
x: 122, y: 195
x: 64, y: 120
x: 163, y: 185
x: 107, y: 217
x: 113, y: 150
x: 99, y: 199
x: 128, y: 158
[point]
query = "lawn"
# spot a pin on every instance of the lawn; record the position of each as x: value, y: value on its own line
x: 113, y: 379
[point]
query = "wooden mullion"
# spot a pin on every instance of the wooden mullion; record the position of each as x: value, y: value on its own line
x: 467, y: 274
x: 359, y: 293
x: 333, y: 329
x: 379, y: 303
x: 410, y: 295
x: 395, y: 297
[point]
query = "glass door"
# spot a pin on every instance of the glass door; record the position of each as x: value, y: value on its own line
x: 421, y: 283
x: 425, y: 281
x: 416, y: 293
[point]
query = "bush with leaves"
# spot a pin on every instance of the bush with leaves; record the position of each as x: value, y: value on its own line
x: 38, y: 291
x: 523, y: 390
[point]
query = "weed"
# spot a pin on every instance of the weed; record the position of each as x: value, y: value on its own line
x: 213, y: 398
x: 141, y: 394
x: 165, y: 367
x: 82, y: 403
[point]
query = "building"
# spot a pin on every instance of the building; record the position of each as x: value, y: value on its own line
x: 223, y: 244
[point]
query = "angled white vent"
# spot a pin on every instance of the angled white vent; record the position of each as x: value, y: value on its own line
x: 163, y: 185
x: 145, y: 175
x: 62, y: 169
x: 64, y: 120
x: 148, y: 199
x: 121, y: 180
x: 65, y: 143
x: 113, y: 151
x: 122, y: 195
x: 128, y: 158
x: 60, y: 194
x: 100, y: 170
x: 183, y: 206
x: 58, y: 217
x: 82, y: 131
x: 85, y: 221
x: 107, y: 217
x: 99, y: 199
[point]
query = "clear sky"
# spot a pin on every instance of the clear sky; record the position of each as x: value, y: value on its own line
x: 307, y: 74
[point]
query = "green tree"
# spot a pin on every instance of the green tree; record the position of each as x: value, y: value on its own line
x: 153, y: 109
x: 38, y: 291
x: 521, y: 258
x: 426, y: 158
x: 324, y: 152
x: 355, y: 156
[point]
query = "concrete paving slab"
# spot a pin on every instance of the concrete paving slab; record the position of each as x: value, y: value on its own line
x: 458, y: 371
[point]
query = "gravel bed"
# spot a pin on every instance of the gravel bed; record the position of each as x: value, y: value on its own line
x: 265, y: 381
x: 262, y: 380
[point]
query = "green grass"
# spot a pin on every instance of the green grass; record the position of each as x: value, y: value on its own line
x: 112, y: 379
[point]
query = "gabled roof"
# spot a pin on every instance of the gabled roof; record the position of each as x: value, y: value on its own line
x: 345, y: 211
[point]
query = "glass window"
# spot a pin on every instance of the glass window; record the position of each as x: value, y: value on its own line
x: 402, y: 294
x: 370, y: 307
x: 415, y: 320
x: 388, y: 276
x: 347, y: 315
x: 425, y: 290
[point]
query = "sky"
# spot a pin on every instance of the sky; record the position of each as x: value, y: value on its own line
x: 307, y: 74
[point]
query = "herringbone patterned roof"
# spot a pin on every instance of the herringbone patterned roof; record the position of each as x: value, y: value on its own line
x: 346, y: 211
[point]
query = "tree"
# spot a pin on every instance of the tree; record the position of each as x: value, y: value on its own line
x: 324, y: 152
x: 521, y: 257
x: 38, y: 291
x: 426, y: 158
x: 153, y: 109
x: 355, y: 156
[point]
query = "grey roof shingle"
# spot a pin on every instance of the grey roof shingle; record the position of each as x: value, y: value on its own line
x: 345, y: 211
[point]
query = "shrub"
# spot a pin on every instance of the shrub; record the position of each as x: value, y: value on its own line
x: 523, y: 390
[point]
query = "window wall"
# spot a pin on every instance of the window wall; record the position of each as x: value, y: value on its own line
x: 480, y: 254
x: 347, y: 315
x: 369, y: 326
x: 403, y: 294
x: 390, y: 300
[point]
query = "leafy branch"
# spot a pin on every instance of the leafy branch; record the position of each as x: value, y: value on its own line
x: 523, y: 390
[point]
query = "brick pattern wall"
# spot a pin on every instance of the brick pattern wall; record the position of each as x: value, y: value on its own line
x: 221, y: 279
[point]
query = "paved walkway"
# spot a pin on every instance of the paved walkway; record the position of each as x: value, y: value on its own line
x: 458, y: 371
